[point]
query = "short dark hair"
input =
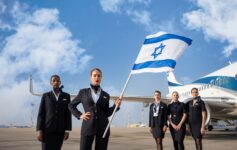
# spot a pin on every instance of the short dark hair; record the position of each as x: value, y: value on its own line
x: 175, y: 92
x: 157, y: 91
x: 54, y: 76
x: 194, y: 89
x: 97, y: 69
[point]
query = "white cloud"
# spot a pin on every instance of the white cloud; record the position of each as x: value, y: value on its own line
x: 2, y: 7
x: 40, y: 45
x: 141, y: 17
x: 3, y: 26
x: 15, y: 102
x: 111, y: 5
x: 116, y: 6
x: 217, y: 19
x: 138, y: 15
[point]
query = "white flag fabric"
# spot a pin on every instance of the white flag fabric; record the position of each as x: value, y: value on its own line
x: 160, y: 52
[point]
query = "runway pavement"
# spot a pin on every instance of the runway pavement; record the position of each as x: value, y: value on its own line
x: 120, y: 139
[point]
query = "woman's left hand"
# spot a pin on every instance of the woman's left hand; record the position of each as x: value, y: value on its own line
x: 117, y: 102
x: 202, y: 130
x: 164, y: 128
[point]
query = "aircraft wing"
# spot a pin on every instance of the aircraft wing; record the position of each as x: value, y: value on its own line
x: 146, y: 100
x: 141, y: 99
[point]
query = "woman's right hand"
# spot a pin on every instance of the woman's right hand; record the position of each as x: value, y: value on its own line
x: 85, y: 116
x: 174, y: 126
x: 40, y: 136
x: 150, y: 129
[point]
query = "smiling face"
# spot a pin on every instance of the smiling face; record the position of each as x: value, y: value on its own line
x: 157, y: 96
x: 175, y: 96
x: 55, y: 82
x: 96, y: 77
x: 194, y: 92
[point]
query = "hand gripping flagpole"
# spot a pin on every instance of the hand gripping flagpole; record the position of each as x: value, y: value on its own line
x: 120, y: 97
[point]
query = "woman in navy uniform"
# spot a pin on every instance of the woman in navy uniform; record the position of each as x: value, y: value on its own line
x: 95, y: 102
x: 176, y: 116
x: 54, y: 118
x: 196, y: 117
x: 158, y: 119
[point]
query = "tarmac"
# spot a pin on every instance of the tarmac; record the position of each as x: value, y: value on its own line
x: 120, y: 139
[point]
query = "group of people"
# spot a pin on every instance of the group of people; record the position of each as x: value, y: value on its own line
x: 178, y: 115
x: 54, y: 117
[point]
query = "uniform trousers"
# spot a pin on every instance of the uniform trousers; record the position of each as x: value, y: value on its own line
x: 52, y: 141
x: 100, y: 142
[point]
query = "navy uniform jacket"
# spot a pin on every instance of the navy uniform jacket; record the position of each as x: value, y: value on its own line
x: 54, y: 115
x: 195, y: 112
x: 176, y: 110
x: 162, y: 115
x: 99, y: 112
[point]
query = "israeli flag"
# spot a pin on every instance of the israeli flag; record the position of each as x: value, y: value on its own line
x: 160, y: 52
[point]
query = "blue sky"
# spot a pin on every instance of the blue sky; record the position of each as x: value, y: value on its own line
x: 71, y: 37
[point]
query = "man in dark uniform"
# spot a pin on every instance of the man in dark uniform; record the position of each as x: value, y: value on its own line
x: 158, y: 119
x: 54, y: 118
x: 196, y: 117
x: 177, y: 116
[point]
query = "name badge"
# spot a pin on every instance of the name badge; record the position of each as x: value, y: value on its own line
x: 155, y: 114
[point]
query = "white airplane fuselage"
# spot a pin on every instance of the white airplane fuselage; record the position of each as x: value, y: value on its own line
x: 218, y: 90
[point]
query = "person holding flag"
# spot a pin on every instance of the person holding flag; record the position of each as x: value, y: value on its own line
x: 95, y: 102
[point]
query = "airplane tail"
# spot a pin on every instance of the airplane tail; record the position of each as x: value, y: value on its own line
x: 31, y: 88
x: 173, y: 84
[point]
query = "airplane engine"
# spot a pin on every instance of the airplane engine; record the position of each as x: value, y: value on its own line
x: 208, y: 114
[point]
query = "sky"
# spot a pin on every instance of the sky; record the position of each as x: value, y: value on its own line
x: 69, y: 38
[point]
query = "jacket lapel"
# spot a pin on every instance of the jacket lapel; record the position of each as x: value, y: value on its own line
x: 102, y: 97
x: 52, y: 96
x: 90, y: 96
x: 60, y: 98
x: 160, y: 108
x: 152, y: 108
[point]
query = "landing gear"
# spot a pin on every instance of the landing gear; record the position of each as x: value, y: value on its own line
x: 210, y: 127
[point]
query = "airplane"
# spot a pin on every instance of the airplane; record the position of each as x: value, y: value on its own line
x: 218, y: 90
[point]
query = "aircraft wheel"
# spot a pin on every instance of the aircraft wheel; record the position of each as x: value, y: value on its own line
x: 210, y: 127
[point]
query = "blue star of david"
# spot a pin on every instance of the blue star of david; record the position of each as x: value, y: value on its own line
x: 158, y: 50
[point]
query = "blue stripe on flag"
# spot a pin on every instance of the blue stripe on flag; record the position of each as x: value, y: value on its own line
x: 173, y: 84
x: 167, y: 37
x: 155, y: 64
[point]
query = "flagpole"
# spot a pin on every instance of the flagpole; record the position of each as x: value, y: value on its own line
x: 120, y: 97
